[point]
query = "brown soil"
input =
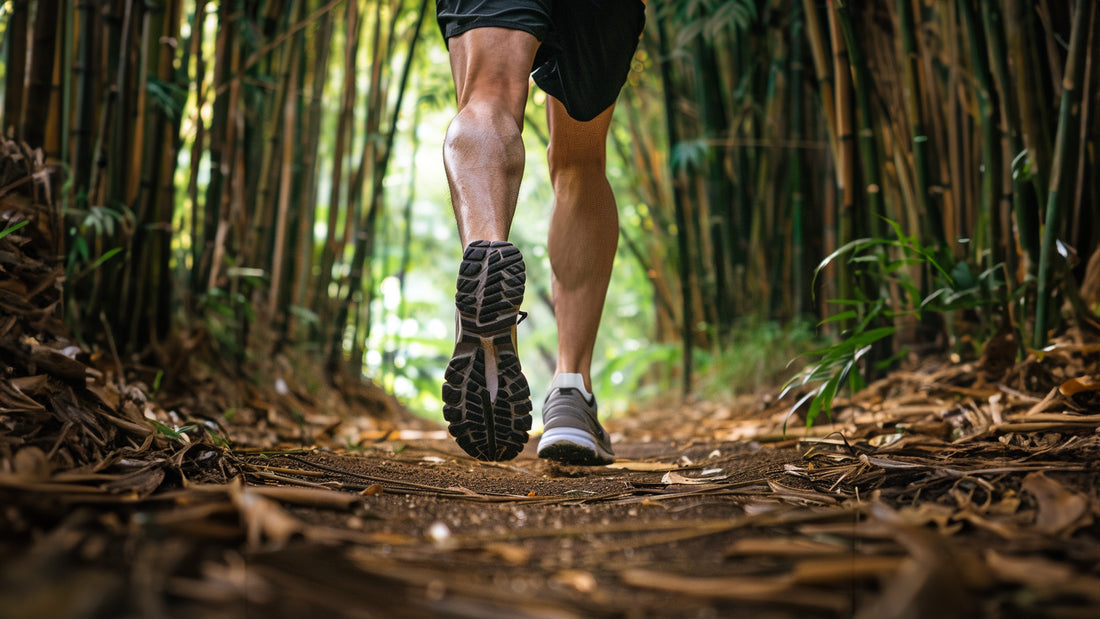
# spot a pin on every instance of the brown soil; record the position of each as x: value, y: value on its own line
x: 918, y: 501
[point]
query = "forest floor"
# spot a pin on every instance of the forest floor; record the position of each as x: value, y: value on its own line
x: 936, y: 492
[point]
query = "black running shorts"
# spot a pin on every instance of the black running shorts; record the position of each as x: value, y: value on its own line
x: 587, y: 45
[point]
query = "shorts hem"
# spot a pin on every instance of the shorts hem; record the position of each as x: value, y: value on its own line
x: 454, y: 30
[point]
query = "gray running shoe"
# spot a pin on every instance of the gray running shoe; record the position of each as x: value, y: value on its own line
x: 485, y: 397
x: 572, y: 433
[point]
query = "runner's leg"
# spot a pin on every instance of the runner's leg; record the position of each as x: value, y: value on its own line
x: 584, y: 233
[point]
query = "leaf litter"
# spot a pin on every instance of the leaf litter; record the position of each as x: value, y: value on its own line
x: 939, y: 490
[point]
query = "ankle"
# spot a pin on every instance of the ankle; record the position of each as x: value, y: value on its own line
x: 572, y: 380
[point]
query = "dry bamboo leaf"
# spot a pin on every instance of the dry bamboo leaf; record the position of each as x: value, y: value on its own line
x: 845, y: 569
x: 31, y: 385
x: 1045, y: 403
x: 674, y: 478
x: 140, y: 483
x: 579, y: 580
x: 782, y: 547
x: 311, y: 497
x: 1077, y: 385
x: 262, y: 518
x: 798, y: 495
x: 1061, y: 511
x: 1042, y: 574
x: 513, y: 554
x: 745, y: 588
x: 642, y: 467
x: 998, y: 525
x: 739, y: 587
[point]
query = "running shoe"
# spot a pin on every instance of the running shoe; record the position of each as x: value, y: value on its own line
x: 485, y: 397
x: 572, y: 433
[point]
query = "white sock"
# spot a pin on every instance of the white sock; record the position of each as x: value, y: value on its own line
x: 571, y: 380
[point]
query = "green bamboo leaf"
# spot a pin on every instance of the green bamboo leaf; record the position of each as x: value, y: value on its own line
x: 12, y: 229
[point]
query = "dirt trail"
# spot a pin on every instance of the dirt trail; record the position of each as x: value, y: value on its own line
x: 932, y: 494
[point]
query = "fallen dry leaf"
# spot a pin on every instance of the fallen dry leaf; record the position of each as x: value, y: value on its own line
x: 1061, y: 511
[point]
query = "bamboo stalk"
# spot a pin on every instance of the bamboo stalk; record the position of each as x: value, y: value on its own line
x: 687, y: 318
x: 845, y: 164
x: 15, y: 66
x: 1079, y: 237
x: 929, y: 216
x: 1028, y: 90
x: 797, y: 222
x: 868, y: 149
x: 334, y: 241
x: 1014, y: 188
x: 309, y: 147
x: 39, y: 92
x: 988, y: 169
x: 1061, y: 168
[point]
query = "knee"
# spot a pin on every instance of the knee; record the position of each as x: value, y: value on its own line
x: 481, y: 128
x: 487, y: 115
x: 570, y: 163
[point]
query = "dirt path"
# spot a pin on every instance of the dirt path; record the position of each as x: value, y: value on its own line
x: 923, y: 499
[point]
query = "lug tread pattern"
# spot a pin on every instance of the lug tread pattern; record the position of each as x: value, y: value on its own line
x: 488, y: 294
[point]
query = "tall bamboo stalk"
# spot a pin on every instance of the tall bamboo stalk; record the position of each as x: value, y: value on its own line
x: 985, y: 237
x: 846, y: 163
x: 1028, y: 90
x: 687, y: 317
x: 870, y: 220
x: 928, y: 212
x: 1061, y: 169
x: 36, y: 117
x: 797, y: 258
x: 309, y: 143
x: 15, y: 66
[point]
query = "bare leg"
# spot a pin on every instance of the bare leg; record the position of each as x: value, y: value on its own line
x: 486, y: 398
x: 483, y: 150
x: 584, y: 234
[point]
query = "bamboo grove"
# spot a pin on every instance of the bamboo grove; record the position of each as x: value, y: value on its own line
x: 189, y: 136
x: 797, y: 128
x: 227, y: 161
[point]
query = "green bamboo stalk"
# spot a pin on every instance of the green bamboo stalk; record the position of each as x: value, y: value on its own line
x: 822, y: 69
x: 271, y: 154
x: 334, y: 241
x: 797, y: 262
x: 1061, y: 168
x: 687, y: 318
x: 81, y: 159
x: 199, y: 225
x: 1011, y: 198
x: 66, y: 69
x: 363, y: 259
x: 868, y: 148
x: 716, y: 194
x: 985, y: 237
x: 928, y: 211
x: 1028, y: 90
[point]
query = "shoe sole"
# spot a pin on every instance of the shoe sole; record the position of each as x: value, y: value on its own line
x: 486, y: 398
x: 572, y: 446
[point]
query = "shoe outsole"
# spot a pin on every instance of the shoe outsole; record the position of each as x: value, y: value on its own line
x: 572, y: 453
x: 486, y: 398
